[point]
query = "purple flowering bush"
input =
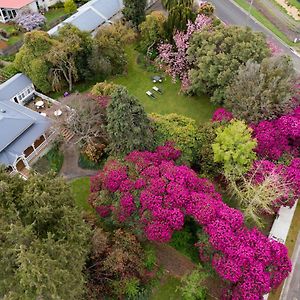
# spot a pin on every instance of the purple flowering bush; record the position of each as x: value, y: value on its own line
x: 278, y: 136
x: 29, y: 20
x: 221, y: 114
x: 149, y: 191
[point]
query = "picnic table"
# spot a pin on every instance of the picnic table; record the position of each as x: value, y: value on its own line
x: 157, y: 78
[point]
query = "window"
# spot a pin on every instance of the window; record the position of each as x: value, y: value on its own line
x: 16, y: 99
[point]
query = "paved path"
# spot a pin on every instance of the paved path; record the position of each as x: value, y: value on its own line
x: 70, y: 168
x: 291, y: 288
x: 230, y: 13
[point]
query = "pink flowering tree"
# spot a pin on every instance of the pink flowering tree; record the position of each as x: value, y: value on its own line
x: 275, y: 50
x: 174, y: 58
x: 278, y: 136
x: 150, y: 192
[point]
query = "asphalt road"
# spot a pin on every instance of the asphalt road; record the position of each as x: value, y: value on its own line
x: 229, y: 13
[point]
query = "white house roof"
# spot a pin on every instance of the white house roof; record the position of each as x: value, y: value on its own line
x: 13, y: 86
x: 91, y: 15
x: 19, y: 128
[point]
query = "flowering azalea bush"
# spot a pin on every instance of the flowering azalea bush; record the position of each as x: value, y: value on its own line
x: 221, y: 114
x: 278, y: 136
x: 29, y: 20
x: 175, y: 58
x: 152, y: 193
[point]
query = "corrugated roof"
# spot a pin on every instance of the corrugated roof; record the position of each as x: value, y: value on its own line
x: 89, y: 16
x: 12, y: 125
x: 13, y: 86
x: 29, y: 134
x: 16, y: 4
x: 107, y: 8
x: 87, y: 20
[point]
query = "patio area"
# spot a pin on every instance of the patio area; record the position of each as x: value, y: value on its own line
x: 50, y: 109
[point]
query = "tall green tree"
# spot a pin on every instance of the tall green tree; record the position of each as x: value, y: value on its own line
x: 31, y: 59
x: 108, y: 55
x: 262, y: 91
x: 134, y: 11
x: 44, y: 241
x: 216, y: 55
x: 152, y: 31
x: 178, y: 18
x: 128, y: 125
x: 169, y: 4
x: 70, y: 6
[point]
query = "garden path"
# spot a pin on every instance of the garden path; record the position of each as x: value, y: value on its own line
x: 70, y: 168
x: 173, y: 261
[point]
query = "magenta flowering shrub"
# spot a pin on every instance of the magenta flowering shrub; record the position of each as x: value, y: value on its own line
x: 221, y: 114
x: 174, y: 59
x: 30, y: 20
x: 279, y: 136
x: 151, y: 192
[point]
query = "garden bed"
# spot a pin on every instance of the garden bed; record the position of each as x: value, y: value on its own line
x: 52, y: 161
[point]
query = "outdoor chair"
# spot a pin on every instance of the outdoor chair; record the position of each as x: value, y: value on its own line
x: 148, y: 93
x: 156, y: 89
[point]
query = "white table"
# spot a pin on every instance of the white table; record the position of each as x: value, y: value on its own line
x: 58, y: 113
x: 39, y: 104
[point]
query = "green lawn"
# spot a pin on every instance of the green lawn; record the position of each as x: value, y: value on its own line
x: 138, y: 81
x: 81, y: 189
x: 295, y: 3
x: 9, y: 28
x: 167, y: 290
x: 262, y: 19
x: 54, y: 13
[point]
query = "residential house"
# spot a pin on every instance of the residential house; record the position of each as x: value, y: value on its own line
x: 90, y: 16
x: 18, y: 89
x: 9, y: 9
x: 23, y: 132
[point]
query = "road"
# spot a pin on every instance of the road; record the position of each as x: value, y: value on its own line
x: 229, y: 13
x: 291, y: 288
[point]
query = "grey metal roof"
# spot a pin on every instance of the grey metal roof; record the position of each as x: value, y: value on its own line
x: 107, y: 8
x: 87, y: 20
x: 89, y: 16
x: 34, y: 125
x: 13, y: 86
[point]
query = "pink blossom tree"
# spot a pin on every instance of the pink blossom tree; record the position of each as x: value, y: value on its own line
x: 174, y: 58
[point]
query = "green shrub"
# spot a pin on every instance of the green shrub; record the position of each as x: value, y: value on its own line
x: 184, y: 241
x: 150, y: 258
x: 178, y: 129
x: 192, y: 286
x: 55, y: 157
x: 85, y: 163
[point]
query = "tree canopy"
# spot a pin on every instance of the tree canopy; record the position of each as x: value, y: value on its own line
x: 216, y: 55
x: 134, y: 11
x: 43, y: 239
x: 262, y: 91
x: 128, y: 126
